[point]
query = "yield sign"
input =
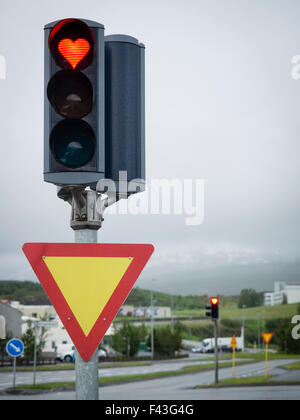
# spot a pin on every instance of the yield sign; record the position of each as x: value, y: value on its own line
x: 87, y: 284
x: 233, y: 343
x: 267, y: 337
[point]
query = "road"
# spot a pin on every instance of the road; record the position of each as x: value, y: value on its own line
x: 182, y: 387
x: 26, y: 378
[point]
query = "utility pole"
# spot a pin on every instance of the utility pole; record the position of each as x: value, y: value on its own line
x: 172, y: 314
x: 216, y: 353
x: 152, y: 326
x: 35, y: 351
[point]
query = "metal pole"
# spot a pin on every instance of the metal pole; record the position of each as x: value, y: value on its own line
x: 34, y: 353
x: 258, y: 331
x: 216, y: 353
x: 152, y: 327
x: 87, y: 382
x: 233, y: 362
x: 172, y: 315
x: 266, y: 360
x: 14, y: 372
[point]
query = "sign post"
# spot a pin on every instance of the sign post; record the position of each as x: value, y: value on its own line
x: 216, y: 353
x: 233, y: 345
x: 267, y: 338
x: 86, y: 372
x: 14, y: 348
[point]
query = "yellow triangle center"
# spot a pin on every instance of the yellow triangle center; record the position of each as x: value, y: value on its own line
x: 87, y: 284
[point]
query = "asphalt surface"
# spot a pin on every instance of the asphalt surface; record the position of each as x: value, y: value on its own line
x: 182, y: 387
x: 26, y: 378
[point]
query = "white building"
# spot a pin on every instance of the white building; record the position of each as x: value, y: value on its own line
x: 56, y: 335
x: 35, y: 311
x: 292, y: 293
x: 283, y: 293
x: 158, y: 312
x: 273, y: 298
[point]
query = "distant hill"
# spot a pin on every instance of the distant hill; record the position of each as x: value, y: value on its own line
x: 30, y: 293
x: 26, y: 292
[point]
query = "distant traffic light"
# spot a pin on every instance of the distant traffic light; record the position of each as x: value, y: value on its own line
x: 213, y: 308
x: 74, y: 145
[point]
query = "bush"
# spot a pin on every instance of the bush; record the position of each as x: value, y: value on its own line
x: 229, y: 327
x: 126, y: 341
x: 166, y: 342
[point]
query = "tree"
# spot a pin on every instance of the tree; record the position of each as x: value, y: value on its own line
x: 28, y: 339
x: 250, y: 298
x: 128, y: 338
x: 286, y: 343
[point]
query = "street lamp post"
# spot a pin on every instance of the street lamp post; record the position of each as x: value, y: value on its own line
x: 152, y: 325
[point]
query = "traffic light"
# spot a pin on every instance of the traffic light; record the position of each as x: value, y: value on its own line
x: 74, y: 137
x: 213, y: 308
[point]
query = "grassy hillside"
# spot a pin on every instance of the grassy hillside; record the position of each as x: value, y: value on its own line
x: 26, y: 292
x: 262, y: 312
x: 192, y: 303
x: 29, y: 293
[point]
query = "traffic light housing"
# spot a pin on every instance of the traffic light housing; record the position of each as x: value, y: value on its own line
x: 125, y: 112
x: 213, y: 308
x: 74, y: 114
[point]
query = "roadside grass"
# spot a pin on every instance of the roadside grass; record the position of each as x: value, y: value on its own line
x: 72, y: 366
x: 291, y: 366
x: 248, y: 381
x: 251, y: 380
x: 271, y: 356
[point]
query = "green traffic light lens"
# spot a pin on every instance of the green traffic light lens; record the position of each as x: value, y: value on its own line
x: 70, y: 93
x: 73, y: 143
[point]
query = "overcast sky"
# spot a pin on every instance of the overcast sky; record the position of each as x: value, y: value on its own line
x: 221, y: 106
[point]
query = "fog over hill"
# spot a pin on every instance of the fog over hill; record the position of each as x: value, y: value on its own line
x: 226, y: 280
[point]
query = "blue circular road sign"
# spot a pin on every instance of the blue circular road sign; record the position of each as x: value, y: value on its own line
x: 15, y: 347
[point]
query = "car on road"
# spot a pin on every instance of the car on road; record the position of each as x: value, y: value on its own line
x: 102, y: 355
x: 65, y: 353
x: 197, y: 349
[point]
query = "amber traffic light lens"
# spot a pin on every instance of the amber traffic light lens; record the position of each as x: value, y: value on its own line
x: 71, y: 94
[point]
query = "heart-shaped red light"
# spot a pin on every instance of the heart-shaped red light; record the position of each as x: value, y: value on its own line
x: 74, y: 51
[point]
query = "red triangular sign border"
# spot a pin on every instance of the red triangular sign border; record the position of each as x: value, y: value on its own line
x: 86, y: 346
